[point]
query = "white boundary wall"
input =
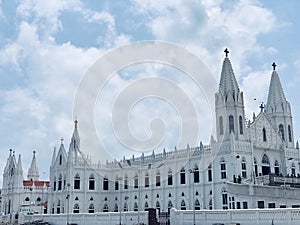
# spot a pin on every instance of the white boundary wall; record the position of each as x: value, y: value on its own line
x: 107, y: 218
x: 288, y: 216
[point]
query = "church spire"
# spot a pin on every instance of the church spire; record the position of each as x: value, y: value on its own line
x: 75, y: 141
x: 278, y: 109
x: 276, y: 95
x: 53, y: 156
x: 19, y: 165
x: 33, y: 171
x: 229, y: 105
x: 228, y: 81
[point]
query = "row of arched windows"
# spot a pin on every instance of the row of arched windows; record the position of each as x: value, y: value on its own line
x: 231, y: 124
x: 91, y: 209
x: 92, y: 183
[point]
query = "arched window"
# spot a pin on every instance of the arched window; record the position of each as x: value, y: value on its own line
x: 182, y: 176
x: 136, y: 181
x: 135, y: 207
x: 117, y: 183
x: 197, y: 205
x: 209, y: 173
x: 91, y: 182
x: 196, y: 174
x: 38, y: 199
x: 265, y: 167
x: 170, y: 177
x: 91, y: 208
x: 290, y: 133
x: 76, y: 208
x: 105, y: 208
x: 59, y: 182
x: 157, y: 178
x: 58, y: 207
x: 116, y: 209
x: 76, y: 198
x: 276, y: 167
x: 27, y: 199
x: 182, y: 205
x: 224, y: 199
x: 264, y: 134
x: 60, y: 159
x: 223, y: 169
x: 147, y: 179
x: 105, y: 183
x: 210, y: 204
x: 126, y: 182
x: 241, y: 125
x: 221, y: 125
x: 170, y: 206
x: 255, y: 166
x: 231, y: 124
x: 244, y: 168
x: 158, y: 206
x: 146, y: 206
x: 125, y: 207
x: 281, y: 131
x: 54, y: 184
x: 293, y: 169
x: 77, y: 182
x: 265, y: 160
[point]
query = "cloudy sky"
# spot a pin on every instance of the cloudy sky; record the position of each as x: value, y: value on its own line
x: 47, y: 47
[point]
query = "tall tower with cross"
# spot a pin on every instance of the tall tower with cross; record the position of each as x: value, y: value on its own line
x: 229, y: 105
x: 278, y: 109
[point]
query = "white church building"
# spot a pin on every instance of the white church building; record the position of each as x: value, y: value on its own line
x: 248, y: 164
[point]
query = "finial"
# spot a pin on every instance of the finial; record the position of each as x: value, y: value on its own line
x: 34, y: 152
x: 226, y: 52
x: 274, y: 65
x: 61, y: 140
x: 76, y: 121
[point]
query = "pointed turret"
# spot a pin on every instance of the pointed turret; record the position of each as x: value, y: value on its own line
x: 228, y: 83
x: 229, y: 105
x: 75, y: 141
x: 33, y: 171
x: 276, y: 98
x: 53, y: 156
x: 278, y: 109
x: 19, y: 165
x: 74, y: 145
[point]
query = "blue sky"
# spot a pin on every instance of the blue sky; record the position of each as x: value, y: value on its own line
x: 46, y: 47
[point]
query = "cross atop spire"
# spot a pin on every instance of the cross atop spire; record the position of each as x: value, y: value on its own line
x: 274, y: 65
x: 226, y: 52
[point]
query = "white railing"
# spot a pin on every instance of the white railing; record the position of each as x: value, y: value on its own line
x: 288, y: 216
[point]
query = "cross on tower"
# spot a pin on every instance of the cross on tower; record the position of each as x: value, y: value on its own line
x: 274, y: 65
x: 226, y: 52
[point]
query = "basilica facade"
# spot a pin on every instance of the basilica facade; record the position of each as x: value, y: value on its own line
x: 247, y: 164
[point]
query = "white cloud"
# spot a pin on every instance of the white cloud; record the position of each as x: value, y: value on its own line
x: 255, y: 86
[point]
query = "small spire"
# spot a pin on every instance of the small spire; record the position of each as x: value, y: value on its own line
x: 226, y: 52
x: 10, y: 151
x: 61, y: 141
x: 274, y: 65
